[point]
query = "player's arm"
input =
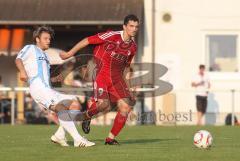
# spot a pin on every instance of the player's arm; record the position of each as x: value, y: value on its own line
x: 194, y: 84
x: 95, y: 39
x: 20, y: 66
x: 81, y: 44
x: 127, y: 76
x: 128, y: 73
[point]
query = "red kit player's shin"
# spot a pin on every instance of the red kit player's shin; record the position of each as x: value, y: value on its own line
x: 118, y: 124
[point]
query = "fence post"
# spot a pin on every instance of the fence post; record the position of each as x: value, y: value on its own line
x: 13, y: 108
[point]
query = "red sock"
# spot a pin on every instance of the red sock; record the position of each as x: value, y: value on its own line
x: 118, y: 124
x: 92, y: 110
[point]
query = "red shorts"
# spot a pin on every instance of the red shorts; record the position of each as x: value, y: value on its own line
x: 113, y: 90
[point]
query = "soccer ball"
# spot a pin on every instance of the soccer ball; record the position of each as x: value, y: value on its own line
x: 202, y: 139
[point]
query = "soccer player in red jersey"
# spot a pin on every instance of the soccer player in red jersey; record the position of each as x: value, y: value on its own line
x: 113, y: 54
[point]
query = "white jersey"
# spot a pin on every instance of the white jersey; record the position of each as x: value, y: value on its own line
x: 202, y: 90
x: 36, y: 64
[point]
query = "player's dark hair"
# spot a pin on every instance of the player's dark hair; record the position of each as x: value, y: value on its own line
x: 130, y: 17
x: 40, y: 30
x: 201, y: 66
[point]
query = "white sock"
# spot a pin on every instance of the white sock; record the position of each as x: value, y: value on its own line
x: 68, y: 125
x: 60, y: 133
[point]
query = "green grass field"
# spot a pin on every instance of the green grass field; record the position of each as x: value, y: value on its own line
x: 139, y: 143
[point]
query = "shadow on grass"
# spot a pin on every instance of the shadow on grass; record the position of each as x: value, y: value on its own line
x: 144, y: 141
x: 139, y: 141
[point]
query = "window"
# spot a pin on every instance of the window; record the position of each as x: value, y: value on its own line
x: 222, y: 53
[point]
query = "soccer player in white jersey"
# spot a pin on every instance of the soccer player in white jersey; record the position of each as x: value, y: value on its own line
x: 34, y: 67
x: 202, y: 84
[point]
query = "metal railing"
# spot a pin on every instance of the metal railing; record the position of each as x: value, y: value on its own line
x: 231, y: 92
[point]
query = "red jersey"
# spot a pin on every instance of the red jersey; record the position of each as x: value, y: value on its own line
x: 112, y: 55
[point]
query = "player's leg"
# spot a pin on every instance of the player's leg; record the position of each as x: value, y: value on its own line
x: 94, y: 108
x: 39, y: 96
x: 59, y: 136
x: 64, y: 106
x: 52, y: 117
x: 77, y: 115
x: 98, y: 103
x: 86, y: 123
x: 123, y: 110
x: 204, y: 105
x: 65, y: 120
x: 120, y: 94
x: 199, y: 118
x: 199, y: 104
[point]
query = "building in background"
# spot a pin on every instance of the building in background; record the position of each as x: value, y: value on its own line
x: 192, y: 32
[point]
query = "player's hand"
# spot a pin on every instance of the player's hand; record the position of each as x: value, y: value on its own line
x: 200, y: 83
x: 133, y: 92
x: 23, y: 76
x: 64, y: 55
x: 133, y: 96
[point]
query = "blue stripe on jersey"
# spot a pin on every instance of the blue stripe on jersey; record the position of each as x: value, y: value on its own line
x: 40, y: 68
x: 48, y: 70
x: 24, y: 52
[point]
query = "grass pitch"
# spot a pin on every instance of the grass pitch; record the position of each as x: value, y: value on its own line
x: 138, y: 143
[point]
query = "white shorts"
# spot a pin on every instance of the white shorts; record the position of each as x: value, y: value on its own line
x: 47, y: 97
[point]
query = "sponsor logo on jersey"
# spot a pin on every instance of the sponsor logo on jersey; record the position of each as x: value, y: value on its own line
x: 119, y: 57
x: 43, y: 58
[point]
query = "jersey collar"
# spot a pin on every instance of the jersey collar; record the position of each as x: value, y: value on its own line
x: 132, y: 39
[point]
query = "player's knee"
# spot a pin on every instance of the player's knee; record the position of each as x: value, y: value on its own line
x: 124, y: 113
x: 129, y: 101
x: 75, y: 105
x: 124, y: 109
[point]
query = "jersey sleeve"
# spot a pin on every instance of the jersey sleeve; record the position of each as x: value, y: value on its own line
x: 99, y: 38
x: 24, y: 53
